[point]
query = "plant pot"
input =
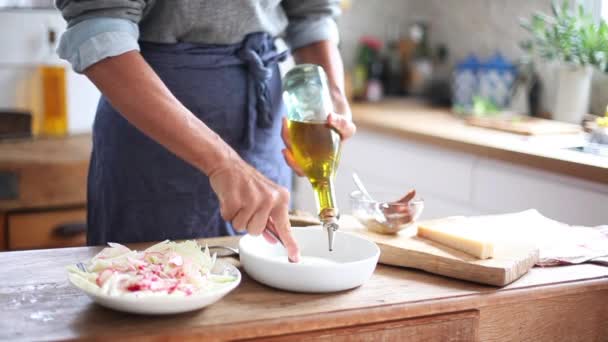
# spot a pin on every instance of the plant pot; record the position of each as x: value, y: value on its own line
x: 599, y: 93
x: 573, y: 92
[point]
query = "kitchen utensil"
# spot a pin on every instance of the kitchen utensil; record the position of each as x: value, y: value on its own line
x: 350, y: 264
x: 385, y: 217
x: 510, y: 262
x: 374, y: 210
x: 271, y: 229
x: 223, y: 251
x: 163, y: 304
x: 315, y: 146
x: 81, y: 267
x: 361, y: 187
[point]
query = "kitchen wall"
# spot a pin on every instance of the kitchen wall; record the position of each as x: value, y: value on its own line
x: 479, y: 26
x: 375, y: 18
x: 482, y: 27
x: 23, y: 35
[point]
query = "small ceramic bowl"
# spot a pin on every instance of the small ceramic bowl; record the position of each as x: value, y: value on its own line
x: 382, y: 215
x: 349, y: 265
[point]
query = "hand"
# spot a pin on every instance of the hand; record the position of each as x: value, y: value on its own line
x: 252, y: 202
x: 341, y: 123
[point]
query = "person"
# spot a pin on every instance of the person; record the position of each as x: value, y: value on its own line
x: 187, y: 133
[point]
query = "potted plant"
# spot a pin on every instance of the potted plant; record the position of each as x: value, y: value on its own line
x: 572, y: 39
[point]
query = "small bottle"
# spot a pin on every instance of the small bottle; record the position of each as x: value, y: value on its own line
x: 54, y: 118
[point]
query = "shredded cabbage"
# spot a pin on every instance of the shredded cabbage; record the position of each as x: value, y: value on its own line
x: 174, y: 268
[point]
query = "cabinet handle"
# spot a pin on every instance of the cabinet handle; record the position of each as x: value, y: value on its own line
x: 70, y: 229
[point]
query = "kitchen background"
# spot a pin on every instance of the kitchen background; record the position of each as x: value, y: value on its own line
x: 451, y: 182
x: 465, y: 26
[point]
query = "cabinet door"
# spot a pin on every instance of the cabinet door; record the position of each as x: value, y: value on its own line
x: 455, y: 327
x: 59, y: 228
x: 502, y: 187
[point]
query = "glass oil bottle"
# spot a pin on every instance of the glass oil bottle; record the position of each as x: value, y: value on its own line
x: 315, y: 146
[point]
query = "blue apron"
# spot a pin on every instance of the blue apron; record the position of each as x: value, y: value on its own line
x: 138, y: 190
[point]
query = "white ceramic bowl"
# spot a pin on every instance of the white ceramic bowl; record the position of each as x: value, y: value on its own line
x: 163, y: 304
x: 349, y: 265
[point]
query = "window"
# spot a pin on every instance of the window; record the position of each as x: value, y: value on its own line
x: 598, y: 8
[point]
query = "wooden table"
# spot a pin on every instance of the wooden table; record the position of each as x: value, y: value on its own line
x: 550, y: 304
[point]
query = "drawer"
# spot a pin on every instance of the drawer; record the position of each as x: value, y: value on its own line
x: 49, y: 229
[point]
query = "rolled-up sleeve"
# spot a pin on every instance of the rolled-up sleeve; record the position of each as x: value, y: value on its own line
x: 311, y: 21
x: 98, y: 29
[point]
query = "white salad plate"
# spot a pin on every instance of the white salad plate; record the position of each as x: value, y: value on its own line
x: 350, y: 264
x: 162, y: 304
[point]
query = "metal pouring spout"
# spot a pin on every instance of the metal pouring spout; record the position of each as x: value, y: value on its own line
x: 329, y: 218
x: 331, y: 228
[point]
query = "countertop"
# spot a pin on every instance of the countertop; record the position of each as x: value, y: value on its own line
x: 39, y: 304
x: 417, y: 122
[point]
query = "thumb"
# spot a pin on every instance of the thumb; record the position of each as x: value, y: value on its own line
x: 345, y: 127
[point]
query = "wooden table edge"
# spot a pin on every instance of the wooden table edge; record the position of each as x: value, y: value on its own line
x: 380, y: 313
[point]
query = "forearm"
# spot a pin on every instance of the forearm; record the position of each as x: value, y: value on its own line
x: 134, y: 90
x: 326, y: 54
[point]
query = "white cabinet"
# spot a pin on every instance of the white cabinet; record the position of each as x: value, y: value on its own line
x: 501, y: 187
x: 457, y: 183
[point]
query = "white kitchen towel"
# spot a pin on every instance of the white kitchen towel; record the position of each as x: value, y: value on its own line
x: 558, y: 243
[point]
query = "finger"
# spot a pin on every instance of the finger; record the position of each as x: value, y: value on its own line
x: 344, y: 126
x: 283, y: 230
x: 257, y: 222
x: 242, y: 218
x: 281, y: 222
x: 268, y: 237
x: 285, y: 134
x: 227, y: 211
x: 290, y: 160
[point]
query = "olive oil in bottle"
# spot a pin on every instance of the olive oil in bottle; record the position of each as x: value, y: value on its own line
x: 316, y: 149
x: 54, y: 118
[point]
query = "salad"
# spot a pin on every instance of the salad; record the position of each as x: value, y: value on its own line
x: 167, y: 268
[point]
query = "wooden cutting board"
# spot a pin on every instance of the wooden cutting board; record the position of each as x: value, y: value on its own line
x: 524, y: 125
x: 511, y: 261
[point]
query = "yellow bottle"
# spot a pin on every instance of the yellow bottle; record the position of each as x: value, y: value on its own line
x: 53, y: 80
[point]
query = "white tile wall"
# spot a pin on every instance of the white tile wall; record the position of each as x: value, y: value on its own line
x: 23, y: 46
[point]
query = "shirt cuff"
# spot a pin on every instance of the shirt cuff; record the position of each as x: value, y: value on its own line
x: 311, y: 30
x: 92, y: 40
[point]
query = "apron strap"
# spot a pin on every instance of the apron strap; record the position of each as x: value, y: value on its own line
x: 258, y: 54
